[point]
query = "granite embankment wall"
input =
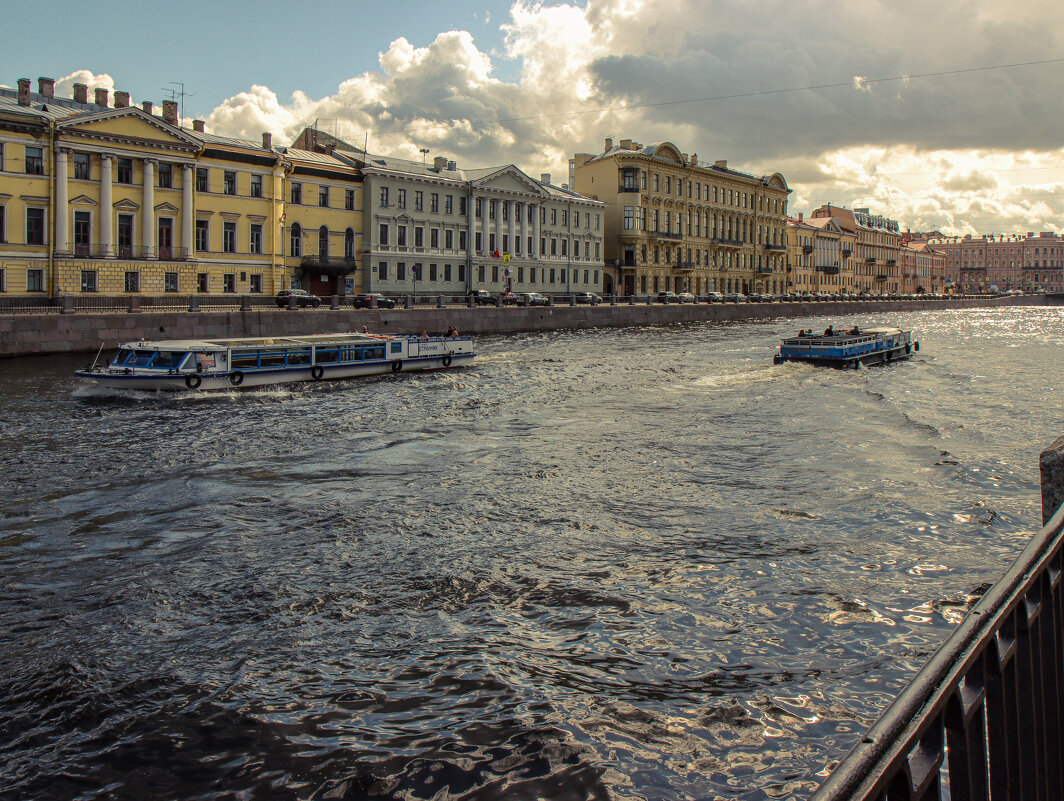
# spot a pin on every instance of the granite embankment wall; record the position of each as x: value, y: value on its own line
x: 31, y: 334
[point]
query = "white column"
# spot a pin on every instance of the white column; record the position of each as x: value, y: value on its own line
x: 107, y: 210
x: 535, y: 232
x: 524, y: 229
x: 471, y: 219
x: 511, y: 223
x: 498, y: 225
x: 147, y: 236
x: 62, y: 206
x: 187, y: 208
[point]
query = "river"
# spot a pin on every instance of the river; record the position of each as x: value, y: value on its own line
x: 639, y: 563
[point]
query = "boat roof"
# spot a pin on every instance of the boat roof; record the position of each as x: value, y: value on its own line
x: 256, y: 342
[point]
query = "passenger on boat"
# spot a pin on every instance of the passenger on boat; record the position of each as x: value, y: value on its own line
x: 365, y: 330
x: 829, y: 331
x: 855, y: 330
x: 452, y: 331
x: 424, y: 335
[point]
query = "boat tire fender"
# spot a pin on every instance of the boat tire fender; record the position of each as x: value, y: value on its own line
x: 236, y: 378
x: 447, y: 360
x: 193, y: 381
x: 316, y: 372
x: 908, y: 349
x: 397, y: 365
x: 916, y: 346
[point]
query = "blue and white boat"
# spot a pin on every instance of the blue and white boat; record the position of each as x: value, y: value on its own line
x: 197, y: 364
x: 848, y: 348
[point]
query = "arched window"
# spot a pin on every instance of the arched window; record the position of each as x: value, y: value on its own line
x: 297, y: 240
x: 349, y: 243
x: 323, y: 242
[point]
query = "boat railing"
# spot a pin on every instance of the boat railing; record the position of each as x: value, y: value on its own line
x: 984, y: 717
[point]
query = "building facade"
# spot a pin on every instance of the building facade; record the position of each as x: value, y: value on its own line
x: 675, y: 223
x: 999, y: 263
x: 877, y: 241
x: 819, y: 256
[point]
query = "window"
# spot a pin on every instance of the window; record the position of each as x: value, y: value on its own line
x: 256, y: 186
x: 203, y: 282
x: 229, y: 282
x: 34, y: 226
x: 382, y: 271
x: 434, y: 237
x: 349, y: 243
x: 400, y: 271
x: 323, y: 242
x: 169, y: 282
x: 297, y: 193
x: 82, y: 167
x: 462, y: 206
x: 166, y: 176
x: 125, y: 236
x: 349, y: 199
x: 565, y: 218
x: 478, y: 207
x: 296, y: 240
x: 3, y: 223
x: 229, y: 237
x: 125, y: 171
x: 202, y: 179
x: 255, y: 285
x: 255, y: 243
x: 448, y: 204
x: 629, y: 218
x: 491, y: 209
x: 448, y: 239
x: 132, y: 282
x: 461, y: 273
x: 419, y: 200
x: 419, y: 236
x: 401, y: 198
x: 34, y: 161
x: 462, y: 236
x: 203, y: 233
x: 82, y: 232
x: 88, y: 281
x: 323, y: 197
x: 3, y: 280
x: 400, y: 236
x: 35, y: 280
x: 446, y: 272
x: 432, y: 272
x: 434, y: 203
x: 553, y: 216
x: 384, y: 196
x: 384, y: 234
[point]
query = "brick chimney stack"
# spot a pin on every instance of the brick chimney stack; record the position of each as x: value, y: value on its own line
x: 148, y: 107
x: 121, y: 99
x: 101, y: 97
x: 198, y: 126
x: 46, y: 87
x: 544, y: 178
x: 81, y: 93
x: 267, y: 141
x: 170, y: 111
x: 23, y: 91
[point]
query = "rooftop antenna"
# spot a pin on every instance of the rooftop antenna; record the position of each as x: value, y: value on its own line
x: 175, y: 94
x: 424, y: 153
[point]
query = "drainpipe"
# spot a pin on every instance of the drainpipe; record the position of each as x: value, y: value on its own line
x: 53, y: 279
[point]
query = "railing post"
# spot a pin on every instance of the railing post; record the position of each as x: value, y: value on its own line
x: 66, y: 304
x: 245, y: 303
x: 1051, y: 468
x: 291, y: 302
x: 193, y: 303
x: 134, y: 304
x: 439, y: 301
x: 335, y: 304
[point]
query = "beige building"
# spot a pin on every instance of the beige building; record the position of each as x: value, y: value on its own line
x: 877, y: 243
x: 675, y: 223
x: 819, y: 256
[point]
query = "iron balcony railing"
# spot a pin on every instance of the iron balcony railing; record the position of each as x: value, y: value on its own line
x: 728, y: 243
x: 881, y: 277
x: 983, y: 718
x: 681, y: 264
x: 828, y: 269
x: 328, y: 261
x: 665, y: 235
x: 807, y: 248
x: 775, y: 247
x: 623, y: 188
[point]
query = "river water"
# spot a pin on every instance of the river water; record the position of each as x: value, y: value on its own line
x: 606, y: 564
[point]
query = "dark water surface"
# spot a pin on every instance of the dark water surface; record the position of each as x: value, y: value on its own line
x: 610, y: 564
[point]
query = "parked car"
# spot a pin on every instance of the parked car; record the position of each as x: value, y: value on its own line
x: 686, y: 297
x: 365, y: 301
x: 587, y: 297
x: 668, y: 297
x: 482, y: 297
x: 734, y: 297
x: 714, y: 297
x: 301, y: 296
x: 535, y: 299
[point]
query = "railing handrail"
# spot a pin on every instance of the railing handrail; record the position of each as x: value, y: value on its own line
x: 905, y: 747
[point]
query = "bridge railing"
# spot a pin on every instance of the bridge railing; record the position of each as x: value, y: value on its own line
x: 983, y: 718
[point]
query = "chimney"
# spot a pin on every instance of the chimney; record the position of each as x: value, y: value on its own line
x: 147, y: 106
x: 452, y: 166
x: 198, y: 126
x: 46, y: 87
x: 439, y: 163
x: 23, y: 91
x: 626, y: 144
x: 267, y: 141
x: 81, y: 93
x: 609, y: 143
x: 800, y: 216
x: 121, y: 99
x: 101, y: 97
x: 694, y: 159
x: 170, y: 111
x: 544, y: 178
x: 723, y: 164
x: 685, y: 159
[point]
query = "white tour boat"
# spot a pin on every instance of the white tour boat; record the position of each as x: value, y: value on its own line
x: 191, y: 364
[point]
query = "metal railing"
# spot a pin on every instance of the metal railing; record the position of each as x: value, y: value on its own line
x: 983, y: 718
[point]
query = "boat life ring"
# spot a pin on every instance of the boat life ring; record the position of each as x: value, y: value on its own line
x: 316, y: 372
x: 193, y: 381
x: 236, y: 378
x: 397, y: 365
x: 447, y: 360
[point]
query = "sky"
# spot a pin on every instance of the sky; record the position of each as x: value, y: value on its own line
x: 944, y: 116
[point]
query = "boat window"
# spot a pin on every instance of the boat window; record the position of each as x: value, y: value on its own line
x: 122, y: 357
x: 142, y: 358
x: 326, y: 356
x: 351, y: 355
x: 271, y: 359
x: 169, y: 360
x: 244, y: 361
x: 299, y: 356
x: 204, y: 361
x: 397, y: 347
x: 373, y: 353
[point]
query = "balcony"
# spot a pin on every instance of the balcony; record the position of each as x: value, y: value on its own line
x: 775, y: 247
x: 727, y: 243
x: 807, y: 249
x: 870, y: 260
x: 828, y: 269
x: 685, y: 265
x: 765, y: 269
x: 891, y: 262
x: 623, y: 188
x: 846, y: 253
x: 665, y: 235
x: 881, y: 277
x: 329, y: 265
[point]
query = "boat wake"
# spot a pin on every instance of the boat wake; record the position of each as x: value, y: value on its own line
x: 753, y: 375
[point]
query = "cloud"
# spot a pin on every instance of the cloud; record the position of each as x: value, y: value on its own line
x: 64, y: 87
x: 768, y: 85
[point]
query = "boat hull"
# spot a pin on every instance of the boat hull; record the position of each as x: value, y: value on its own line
x: 848, y: 349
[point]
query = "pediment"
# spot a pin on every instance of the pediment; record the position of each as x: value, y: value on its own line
x: 166, y: 207
x: 510, y: 179
x: 667, y: 151
x: 83, y: 200
x: 125, y: 204
x: 126, y: 126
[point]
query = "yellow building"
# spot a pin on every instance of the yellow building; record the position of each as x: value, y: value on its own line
x: 820, y: 256
x: 116, y: 200
x: 675, y: 223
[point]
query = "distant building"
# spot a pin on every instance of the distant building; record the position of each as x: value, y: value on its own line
x: 875, y: 267
x: 820, y: 256
x: 999, y: 262
x: 675, y: 223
